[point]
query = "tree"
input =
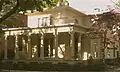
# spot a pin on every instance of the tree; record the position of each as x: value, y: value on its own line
x: 106, y: 26
x: 9, y: 7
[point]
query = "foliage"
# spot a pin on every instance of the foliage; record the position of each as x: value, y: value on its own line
x: 106, y: 26
x: 9, y: 7
x: 15, y: 20
x: 108, y: 23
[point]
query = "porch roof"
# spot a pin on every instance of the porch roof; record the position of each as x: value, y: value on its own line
x: 45, y: 27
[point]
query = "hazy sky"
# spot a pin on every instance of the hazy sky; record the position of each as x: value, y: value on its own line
x: 89, y: 5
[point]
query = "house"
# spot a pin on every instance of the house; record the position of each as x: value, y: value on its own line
x: 54, y: 34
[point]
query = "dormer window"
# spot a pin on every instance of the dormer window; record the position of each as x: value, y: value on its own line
x: 44, y: 21
x: 39, y: 20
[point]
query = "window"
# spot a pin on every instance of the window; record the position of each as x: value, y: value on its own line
x: 44, y: 21
x: 39, y: 21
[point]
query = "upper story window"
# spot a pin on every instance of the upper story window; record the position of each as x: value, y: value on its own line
x: 39, y: 20
x: 44, y: 21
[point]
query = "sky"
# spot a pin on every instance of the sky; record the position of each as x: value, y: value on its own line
x: 89, y: 5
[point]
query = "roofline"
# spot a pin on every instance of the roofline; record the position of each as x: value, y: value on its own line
x: 76, y: 10
x: 71, y: 8
x: 43, y: 27
x: 55, y: 8
x: 97, y: 13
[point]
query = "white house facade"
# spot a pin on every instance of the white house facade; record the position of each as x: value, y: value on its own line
x: 54, y: 34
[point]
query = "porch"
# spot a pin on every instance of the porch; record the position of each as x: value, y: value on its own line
x: 44, y: 43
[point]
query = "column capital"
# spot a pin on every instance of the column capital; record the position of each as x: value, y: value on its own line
x: 71, y: 32
x: 55, y: 32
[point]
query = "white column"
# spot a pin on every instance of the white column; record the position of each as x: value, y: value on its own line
x: 42, y: 48
x: 40, y: 35
x: 29, y: 47
x: 67, y: 51
x: 72, y: 44
x: 80, y: 48
x: 56, y: 44
x: 16, y: 47
x: 5, y: 49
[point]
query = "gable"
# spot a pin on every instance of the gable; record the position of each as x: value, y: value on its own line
x: 60, y: 15
x: 58, y: 9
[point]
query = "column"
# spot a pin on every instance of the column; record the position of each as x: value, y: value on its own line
x: 99, y: 46
x: 42, y: 48
x: 118, y: 48
x: 79, y: 48
x: 86, y: 47
x: 72, y: 45
x: 76, y: 45
x: 67, y: 52
x: 5, y: 49
x: 82, y: 46
x: 51, y: 46
x: 29, y: 47
x: 56, y: 44
x: 16, y: 47
x: 38, y: 45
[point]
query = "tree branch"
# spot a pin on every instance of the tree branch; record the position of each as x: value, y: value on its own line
x: 12, y: 11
